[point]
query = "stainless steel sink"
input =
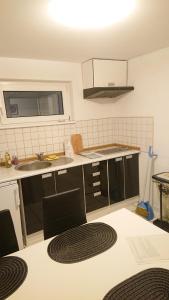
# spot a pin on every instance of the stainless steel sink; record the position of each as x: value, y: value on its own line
x: 33, y: 165
x: 112, y: 150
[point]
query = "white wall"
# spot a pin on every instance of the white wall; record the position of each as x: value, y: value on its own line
x: 28, y: 69
x: 149, y: 74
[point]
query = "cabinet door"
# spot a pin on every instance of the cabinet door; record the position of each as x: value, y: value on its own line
x: 109, y: 73
x: 116, y: 179
x: 33, y: 190
x: 95, y: 201
x: 32, y: 198
x: 131, y: 175
x: 68, y: 179
x: 48, y: 184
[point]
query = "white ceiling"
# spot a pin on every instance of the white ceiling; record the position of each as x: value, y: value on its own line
x: 26, y: 31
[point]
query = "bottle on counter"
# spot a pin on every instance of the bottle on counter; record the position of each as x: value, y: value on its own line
x: 8, y: 162
x: 15, y: 160
x: 68, y: 149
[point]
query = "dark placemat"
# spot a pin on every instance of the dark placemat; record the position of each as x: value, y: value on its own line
x: 13, y: 271
x: 162, y: 224
x: 82, y: 242
x: 151, y: 284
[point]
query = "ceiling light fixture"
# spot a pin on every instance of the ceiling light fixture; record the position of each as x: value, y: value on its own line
x: 90, y: 14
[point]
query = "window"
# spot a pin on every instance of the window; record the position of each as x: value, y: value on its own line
x: 28, y: 104
x: 35, y: 101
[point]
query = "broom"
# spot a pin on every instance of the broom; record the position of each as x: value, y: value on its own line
x: 144, y: 208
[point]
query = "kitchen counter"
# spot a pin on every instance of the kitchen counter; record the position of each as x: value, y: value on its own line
x: 9, y: 174
x: 93, y: 278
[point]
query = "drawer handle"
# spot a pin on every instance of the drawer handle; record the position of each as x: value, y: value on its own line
x: 97, y: 194
x: 111, y: 84
x: 118, y: 159
x: 95, y: 164
x: 96, y: 183
x: 96, y: 174
x: 61, y: 172
x: 129, y: 156
x: 47, y: 175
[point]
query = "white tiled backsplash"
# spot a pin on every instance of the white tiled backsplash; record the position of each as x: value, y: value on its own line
x: 25, y: 142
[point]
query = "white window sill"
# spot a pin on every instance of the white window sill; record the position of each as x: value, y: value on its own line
x: 35, y: 124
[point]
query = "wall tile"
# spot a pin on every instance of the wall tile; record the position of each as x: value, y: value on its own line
x: 136, y: 131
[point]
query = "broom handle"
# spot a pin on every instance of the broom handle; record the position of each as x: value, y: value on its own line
x: 146, y: 178
x: 161, y: 196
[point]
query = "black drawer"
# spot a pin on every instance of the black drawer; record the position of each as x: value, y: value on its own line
x: 93, y: 167
x: 68, y: 179
x: 93, y: 186
x: 95, y: 176
x: 95, y: 201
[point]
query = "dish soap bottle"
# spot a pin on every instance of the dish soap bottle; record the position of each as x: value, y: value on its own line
x: 68, y: 149
x: 8, y: 162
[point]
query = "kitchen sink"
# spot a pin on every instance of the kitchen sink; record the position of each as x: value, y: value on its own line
x: 42, y: 164
x: 112, y: 150
x: 33, y: 165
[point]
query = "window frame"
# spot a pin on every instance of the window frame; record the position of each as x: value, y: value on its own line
x: 64, y: 87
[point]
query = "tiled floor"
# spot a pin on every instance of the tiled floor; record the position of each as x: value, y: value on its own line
x: 129, y: 203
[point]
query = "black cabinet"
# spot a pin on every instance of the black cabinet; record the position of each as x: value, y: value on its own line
x: 36, y: 187
x: 118, y: 175
x: 68, y: 179
x: 131, y: 166
x: 96, y: 186
x: 116, y: 179
x: 123, y: 177
x: 48, y: 183
x: 32, y: 193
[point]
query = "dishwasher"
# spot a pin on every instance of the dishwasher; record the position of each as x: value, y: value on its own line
x: 9, y: 199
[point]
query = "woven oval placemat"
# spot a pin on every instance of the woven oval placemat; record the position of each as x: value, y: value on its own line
x: 13, y: 271
x: 82, y: 242
x: 151, y: 284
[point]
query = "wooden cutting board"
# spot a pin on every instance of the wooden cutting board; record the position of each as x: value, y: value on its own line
x: 77, y: 143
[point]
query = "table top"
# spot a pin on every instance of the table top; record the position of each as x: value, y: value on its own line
x: 161, y: 177
x: 90, y: 279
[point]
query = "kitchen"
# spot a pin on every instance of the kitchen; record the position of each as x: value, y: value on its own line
x: 138, y: 118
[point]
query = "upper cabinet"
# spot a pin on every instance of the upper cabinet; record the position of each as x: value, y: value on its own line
x: 104, y: 73
x: 105, y: 78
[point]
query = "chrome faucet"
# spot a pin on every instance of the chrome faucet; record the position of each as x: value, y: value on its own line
x: 40, y: 155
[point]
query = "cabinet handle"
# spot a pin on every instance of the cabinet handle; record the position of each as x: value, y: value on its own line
x: 129, y: 156
x: 17, y: 199
x: 96, y: 183
x: 95, y: 164
x: 47, y: 175
x: 118, y: 159
x: 111, y: 84
x: 61, y: 172
x: 97, y: 194
x: 96, y: 174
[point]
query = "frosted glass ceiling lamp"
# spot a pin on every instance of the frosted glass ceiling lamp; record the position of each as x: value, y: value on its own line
x: 90, y: 14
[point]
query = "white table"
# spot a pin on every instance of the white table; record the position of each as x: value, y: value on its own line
x: 90, y: 279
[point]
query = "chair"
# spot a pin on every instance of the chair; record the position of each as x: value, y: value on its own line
x: 63, y: 211
x: 8, y: 240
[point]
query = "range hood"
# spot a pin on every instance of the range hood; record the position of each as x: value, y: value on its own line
x: 105, y: 78
x: 106, y: 92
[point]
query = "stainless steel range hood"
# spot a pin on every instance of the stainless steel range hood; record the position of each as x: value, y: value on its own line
x: 106, y: 92
x: 105, y: 78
